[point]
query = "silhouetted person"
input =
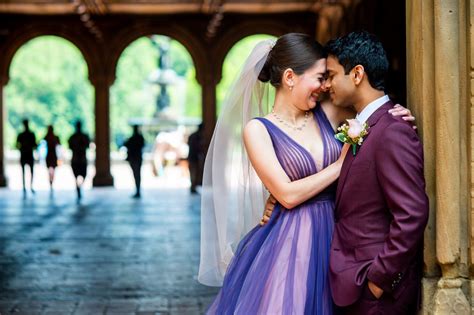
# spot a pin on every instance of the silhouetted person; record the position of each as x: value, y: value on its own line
x: 52, y: 141
x: 196, y: 157
x: 26, y: 143
x: 134, y: 147
x: 78, y: 143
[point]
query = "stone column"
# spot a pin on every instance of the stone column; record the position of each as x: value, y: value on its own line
x: 330, y: 23
x: 420, y: 87
x: 436, y: 86
x: 103, y: 176
x: 209, y: 85
x: 3, y: 179
x: 451, y: 246
x: 470, y: 97
x: 470, y: 102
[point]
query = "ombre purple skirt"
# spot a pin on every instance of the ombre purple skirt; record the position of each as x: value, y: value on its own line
x: 282, y: 267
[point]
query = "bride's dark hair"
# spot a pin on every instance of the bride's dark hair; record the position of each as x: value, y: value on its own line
x: 293, y: 50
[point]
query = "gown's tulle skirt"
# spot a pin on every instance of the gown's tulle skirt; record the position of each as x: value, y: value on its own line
x: 282, y: 268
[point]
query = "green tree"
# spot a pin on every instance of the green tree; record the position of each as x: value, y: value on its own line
x: 234, y: 62
x: 134, y: 96
x: 48, y: 85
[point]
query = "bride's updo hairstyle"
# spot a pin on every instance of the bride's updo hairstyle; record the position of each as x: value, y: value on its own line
x: 293, y: 50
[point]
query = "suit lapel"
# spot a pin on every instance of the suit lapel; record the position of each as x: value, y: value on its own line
x: 343, y: 175
x: 373, y: 119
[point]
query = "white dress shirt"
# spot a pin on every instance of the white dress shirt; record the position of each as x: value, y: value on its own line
x: 371, y: 108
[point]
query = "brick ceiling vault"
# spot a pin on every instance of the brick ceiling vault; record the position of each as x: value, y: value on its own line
x: 216, y: 9
x: 53, y: 7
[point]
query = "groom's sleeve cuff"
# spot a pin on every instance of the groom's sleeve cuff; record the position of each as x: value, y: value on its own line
x: 386, y: 283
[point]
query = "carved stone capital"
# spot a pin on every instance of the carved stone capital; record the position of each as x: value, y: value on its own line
x: 209, y: 77
x: 101, y: 80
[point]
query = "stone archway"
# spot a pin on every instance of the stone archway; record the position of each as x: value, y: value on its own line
x: 18, y: 39
x: 101, y: 54
x: 193, y: 44
x: 233, y: 63
x: 223, y: 44
x: 165, y: 120
x: 183, y: 36
x: 23, y: 35
x: 234, y: 35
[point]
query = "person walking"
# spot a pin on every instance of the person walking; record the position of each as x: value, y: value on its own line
x: 134, y: 147
x: 26, y: 143
x: 78, y: 143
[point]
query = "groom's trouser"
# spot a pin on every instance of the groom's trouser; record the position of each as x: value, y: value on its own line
x: 405, y: 304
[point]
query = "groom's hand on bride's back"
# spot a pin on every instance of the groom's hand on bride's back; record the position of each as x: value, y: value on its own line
x: 269, y: 205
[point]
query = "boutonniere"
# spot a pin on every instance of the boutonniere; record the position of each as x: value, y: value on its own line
x: 352, y: 133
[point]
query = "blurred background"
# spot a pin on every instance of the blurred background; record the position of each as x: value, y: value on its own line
x: 164, y: 66
x: 49, y: 85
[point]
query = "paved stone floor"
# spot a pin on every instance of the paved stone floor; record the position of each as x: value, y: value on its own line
x: 110, y: 254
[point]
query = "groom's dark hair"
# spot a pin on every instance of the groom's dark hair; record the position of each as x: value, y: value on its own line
x: 361, y: 48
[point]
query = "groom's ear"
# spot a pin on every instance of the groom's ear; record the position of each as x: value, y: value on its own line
x: 357, y: 74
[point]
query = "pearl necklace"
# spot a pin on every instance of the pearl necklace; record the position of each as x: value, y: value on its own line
x: 291, y: 126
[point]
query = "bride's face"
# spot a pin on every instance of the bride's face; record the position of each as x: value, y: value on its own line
x: 309, y: 85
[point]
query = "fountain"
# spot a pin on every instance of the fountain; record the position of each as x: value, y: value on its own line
x: 163, y: 76
x: 166, y: 129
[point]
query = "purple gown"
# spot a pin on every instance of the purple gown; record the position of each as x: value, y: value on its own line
x: 282, y: 267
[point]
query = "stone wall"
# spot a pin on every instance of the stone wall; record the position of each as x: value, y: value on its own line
x: 440, y: 84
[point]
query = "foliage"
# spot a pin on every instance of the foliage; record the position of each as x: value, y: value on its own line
x: 134, y: 96
x: 49, y: 85
x: 234, y: 62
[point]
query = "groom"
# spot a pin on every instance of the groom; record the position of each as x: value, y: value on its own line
x: 381, y: 210
x: 381, y: 207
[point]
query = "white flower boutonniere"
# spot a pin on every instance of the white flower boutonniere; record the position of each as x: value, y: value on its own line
x: 352, y: 134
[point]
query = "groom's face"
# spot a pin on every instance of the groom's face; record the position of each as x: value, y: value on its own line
x: 339, y: 85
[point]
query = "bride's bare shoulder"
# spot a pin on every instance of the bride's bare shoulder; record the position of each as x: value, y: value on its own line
x: 255, y: 135
x: 253, y: 127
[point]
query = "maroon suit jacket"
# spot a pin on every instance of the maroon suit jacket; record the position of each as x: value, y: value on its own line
x: 381, y: 211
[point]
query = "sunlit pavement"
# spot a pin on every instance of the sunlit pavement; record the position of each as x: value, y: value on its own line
x: 108, y: 254
x: 171, y: 177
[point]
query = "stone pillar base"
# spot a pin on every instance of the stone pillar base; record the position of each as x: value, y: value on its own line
x: 102, y: 180
x: 429, y: 286
x: 445, y: 296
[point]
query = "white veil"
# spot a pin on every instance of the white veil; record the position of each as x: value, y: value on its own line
x: 233, y: 197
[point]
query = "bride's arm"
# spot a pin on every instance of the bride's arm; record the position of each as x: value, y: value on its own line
x: 338, y: 115
x: 263, y: 158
